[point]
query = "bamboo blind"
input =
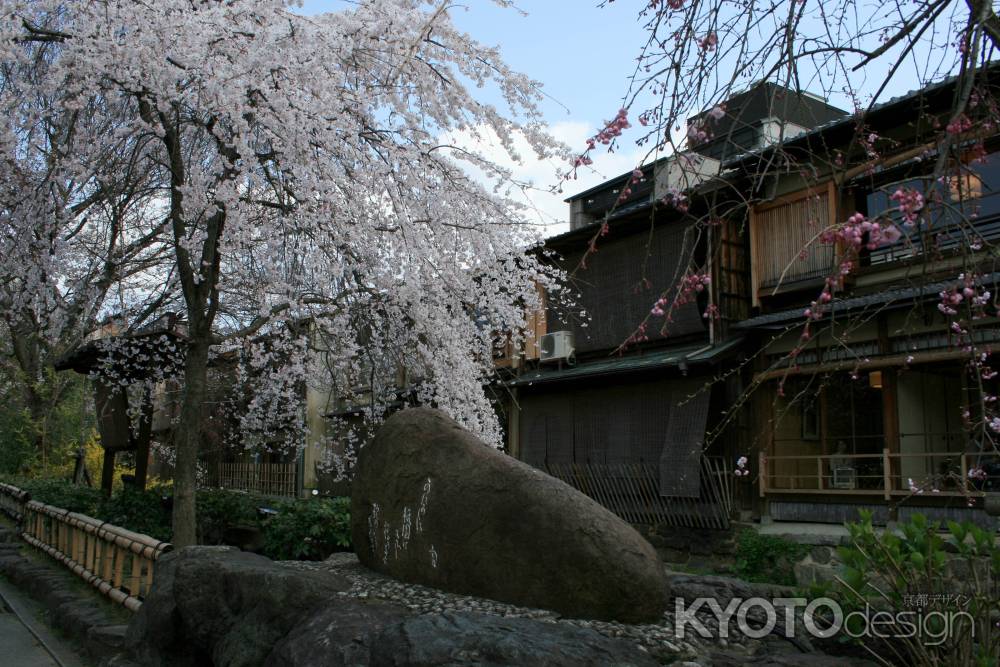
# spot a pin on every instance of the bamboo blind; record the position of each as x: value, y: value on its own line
x: 784, y: 240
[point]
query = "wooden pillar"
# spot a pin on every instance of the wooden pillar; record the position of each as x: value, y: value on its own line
x: 514, y: 424
x: 761, y: 424
x: 890, y: 406
x: 108, y: 471
x: 142, y: 440
x: 890, y: 409
x: 824, y: 440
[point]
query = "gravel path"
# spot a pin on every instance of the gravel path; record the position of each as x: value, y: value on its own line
x: 658, y: 638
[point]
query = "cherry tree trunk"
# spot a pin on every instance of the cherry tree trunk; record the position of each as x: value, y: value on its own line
x: 186, y: 443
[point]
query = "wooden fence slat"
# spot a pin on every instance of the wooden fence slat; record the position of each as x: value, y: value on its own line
x: 632, y: 492
x: 269, y: 479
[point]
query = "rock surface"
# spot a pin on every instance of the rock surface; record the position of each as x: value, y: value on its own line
x: 222, y: 607
x: 477, y: 639
x: 432, y: 504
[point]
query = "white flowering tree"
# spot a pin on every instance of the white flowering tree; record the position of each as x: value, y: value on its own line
x: 75, y: 239
x: 295, y: 166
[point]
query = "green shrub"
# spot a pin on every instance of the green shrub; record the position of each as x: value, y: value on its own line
x: 308, y: 529
x: 890, y: 570
x: 300, y: 530
x: 61, y: 493
x: 766, y: 558
x: 219, y: 509
x: 143, y: 512
x: 17, y: 448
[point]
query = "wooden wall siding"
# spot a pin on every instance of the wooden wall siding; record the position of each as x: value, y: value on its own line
x: 604, y: 200
x: 612, y: 293
x: 622, y: 424
x: 783, y: 239
x: 616, y: 423
x: 826, y: 512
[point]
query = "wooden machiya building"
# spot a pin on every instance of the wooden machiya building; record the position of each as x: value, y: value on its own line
x: 625, y: 426
x: 874, y: 409
x: 637, y: 421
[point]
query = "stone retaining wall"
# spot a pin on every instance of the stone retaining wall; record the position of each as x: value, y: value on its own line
x: 696, y: 548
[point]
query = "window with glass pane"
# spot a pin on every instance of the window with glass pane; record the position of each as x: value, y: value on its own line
x: 968, y: 215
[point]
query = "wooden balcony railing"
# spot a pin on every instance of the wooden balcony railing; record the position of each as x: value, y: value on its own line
x: 115, y: 561
x: 888, y: 474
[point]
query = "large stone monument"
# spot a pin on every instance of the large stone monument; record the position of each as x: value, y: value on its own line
x: 434, y: 505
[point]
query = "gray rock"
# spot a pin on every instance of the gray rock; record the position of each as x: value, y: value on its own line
x: 456, y: 639
x: 221, y: 606
x: 821, y: 555
x: 339, y: 635
x: 432, y: 504
x: 694, y: 586
x: 809, y: 573
x: 697, y: 541
x: 108, y: 635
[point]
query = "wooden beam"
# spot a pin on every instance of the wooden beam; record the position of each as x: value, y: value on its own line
x: 895, y: 360
x: 791, y: 197
x: 754, y: 259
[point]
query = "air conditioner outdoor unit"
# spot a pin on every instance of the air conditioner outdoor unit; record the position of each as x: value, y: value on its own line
x: 556, y: 346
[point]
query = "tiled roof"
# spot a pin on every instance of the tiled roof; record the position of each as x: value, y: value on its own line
x: 850, y: 119
x: 696, y: 353
x: 893, y: 298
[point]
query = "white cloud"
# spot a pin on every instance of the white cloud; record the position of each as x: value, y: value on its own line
x: 545, y: 199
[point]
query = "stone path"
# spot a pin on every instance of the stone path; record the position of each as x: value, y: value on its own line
x: 19, y: 645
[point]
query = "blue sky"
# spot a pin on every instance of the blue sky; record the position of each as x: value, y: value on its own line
x: 583, y: 54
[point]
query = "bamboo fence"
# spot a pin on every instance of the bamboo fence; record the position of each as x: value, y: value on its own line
x: 632, y: 491
x: 267, y: 479
x: 115, y: 561
x: 12, y: 501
